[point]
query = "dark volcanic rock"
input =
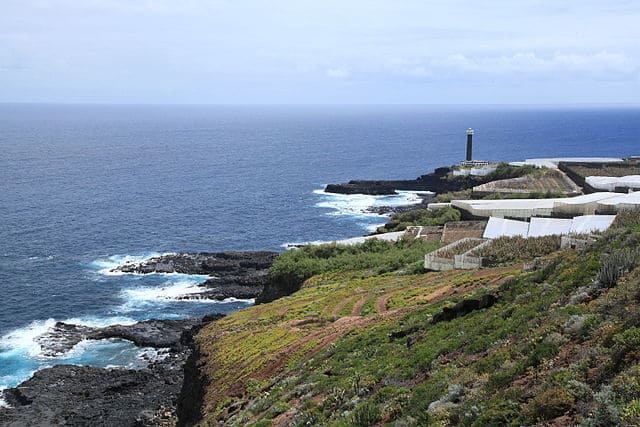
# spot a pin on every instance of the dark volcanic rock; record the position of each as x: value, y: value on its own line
x: 389, y: 210
x: 62, y: 338
x: 148, y: 333
x: 87, y: 396
x: 436, y: 182
x: 213, y: 264
x: 240, y: 275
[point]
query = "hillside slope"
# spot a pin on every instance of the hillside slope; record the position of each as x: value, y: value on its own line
x: 559, y: 347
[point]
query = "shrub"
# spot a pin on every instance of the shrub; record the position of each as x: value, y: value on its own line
x: 365, y: 415
x: 499, y: 412
x: 629, y: 218
x: 615, y: 266
x: 293, y: 267
x: 626, y: 344
x: 424, y: 217
x: 453, y: 195
x: 607, y: 413
x: 509, y: 249
x: 550, y: 404
x: 631, y: 413
x: 507, y: 171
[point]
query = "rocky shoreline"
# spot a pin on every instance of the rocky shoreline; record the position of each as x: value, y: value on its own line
x: 163, y: 393
x: 435, y: 182
x: 168, y: 390
x: 439, y: 181
x: 242, y: 275
x: 83, y: 395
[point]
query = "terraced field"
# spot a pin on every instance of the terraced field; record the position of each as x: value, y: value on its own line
x: 249, y: 349
x: 551, y: 181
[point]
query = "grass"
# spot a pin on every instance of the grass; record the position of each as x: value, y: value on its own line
x: 295, y: 266
x: 356, y: 348
x: 424, y: 217
x: 265, y: 342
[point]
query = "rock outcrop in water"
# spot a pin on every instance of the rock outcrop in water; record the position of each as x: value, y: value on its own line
x: 169, y: 390
x: 149, y: 333
x: 440, y: 181
x: 435, y: 182
x: 242, y: 275
x: 80, y: 395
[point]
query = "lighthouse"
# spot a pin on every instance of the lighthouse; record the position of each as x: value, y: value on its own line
x: 469, y: 145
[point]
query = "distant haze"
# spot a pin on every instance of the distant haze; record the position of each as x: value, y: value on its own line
x: 331, y: 51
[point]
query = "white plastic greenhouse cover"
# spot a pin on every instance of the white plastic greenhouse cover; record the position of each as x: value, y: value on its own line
x: 591, y: 223
x: 587, y: 198
x: 553, y: 162
x: 625, y: 199
x: 548, y: 226
x: 497, y: 227
x: 610, y: 183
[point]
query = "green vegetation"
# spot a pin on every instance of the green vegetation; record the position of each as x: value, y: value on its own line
x: 504, y: 171
x: 453, y: 195
x: 509, y: 249
x: 460, y: 248
x: 295, y: 266
x: 507, y: 171
x: 424, y: 217
x: 352, y: 348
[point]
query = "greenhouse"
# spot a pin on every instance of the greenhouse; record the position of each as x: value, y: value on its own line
x: 581, y: 205
x: 590, y: 223
x: 585, y: 224
x: 497, y: 227
x: 610, y: 183
x: 619, y: 203
x: 549, y: 227
x: 514, y: 208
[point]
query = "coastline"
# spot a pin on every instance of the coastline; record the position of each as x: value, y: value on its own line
x: 227, y: 276
x: 234, y: 280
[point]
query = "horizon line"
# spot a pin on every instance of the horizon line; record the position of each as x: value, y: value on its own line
x: 321, y: 104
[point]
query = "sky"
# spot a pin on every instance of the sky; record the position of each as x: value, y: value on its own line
x: 320, y: 52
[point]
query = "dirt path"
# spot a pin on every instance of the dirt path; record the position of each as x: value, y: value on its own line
x: 357, y: 307
x: 341, y: 305
x: 382, y: 301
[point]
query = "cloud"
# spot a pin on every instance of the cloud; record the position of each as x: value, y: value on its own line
x: 337, y: 73
x: 526, y: 65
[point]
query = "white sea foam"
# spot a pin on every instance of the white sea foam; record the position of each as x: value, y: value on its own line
x: 360, y: 205
x: 23, y: 340
x: 3, y: 403
x: 294, y: 245
x: 170, y: 291
x: 183, y: 290
x: 100, y: 322
x: 106, y: 265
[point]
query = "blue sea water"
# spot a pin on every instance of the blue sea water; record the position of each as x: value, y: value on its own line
x: 84, y: 188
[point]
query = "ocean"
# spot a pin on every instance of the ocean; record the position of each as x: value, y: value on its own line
x: 84, y: 188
